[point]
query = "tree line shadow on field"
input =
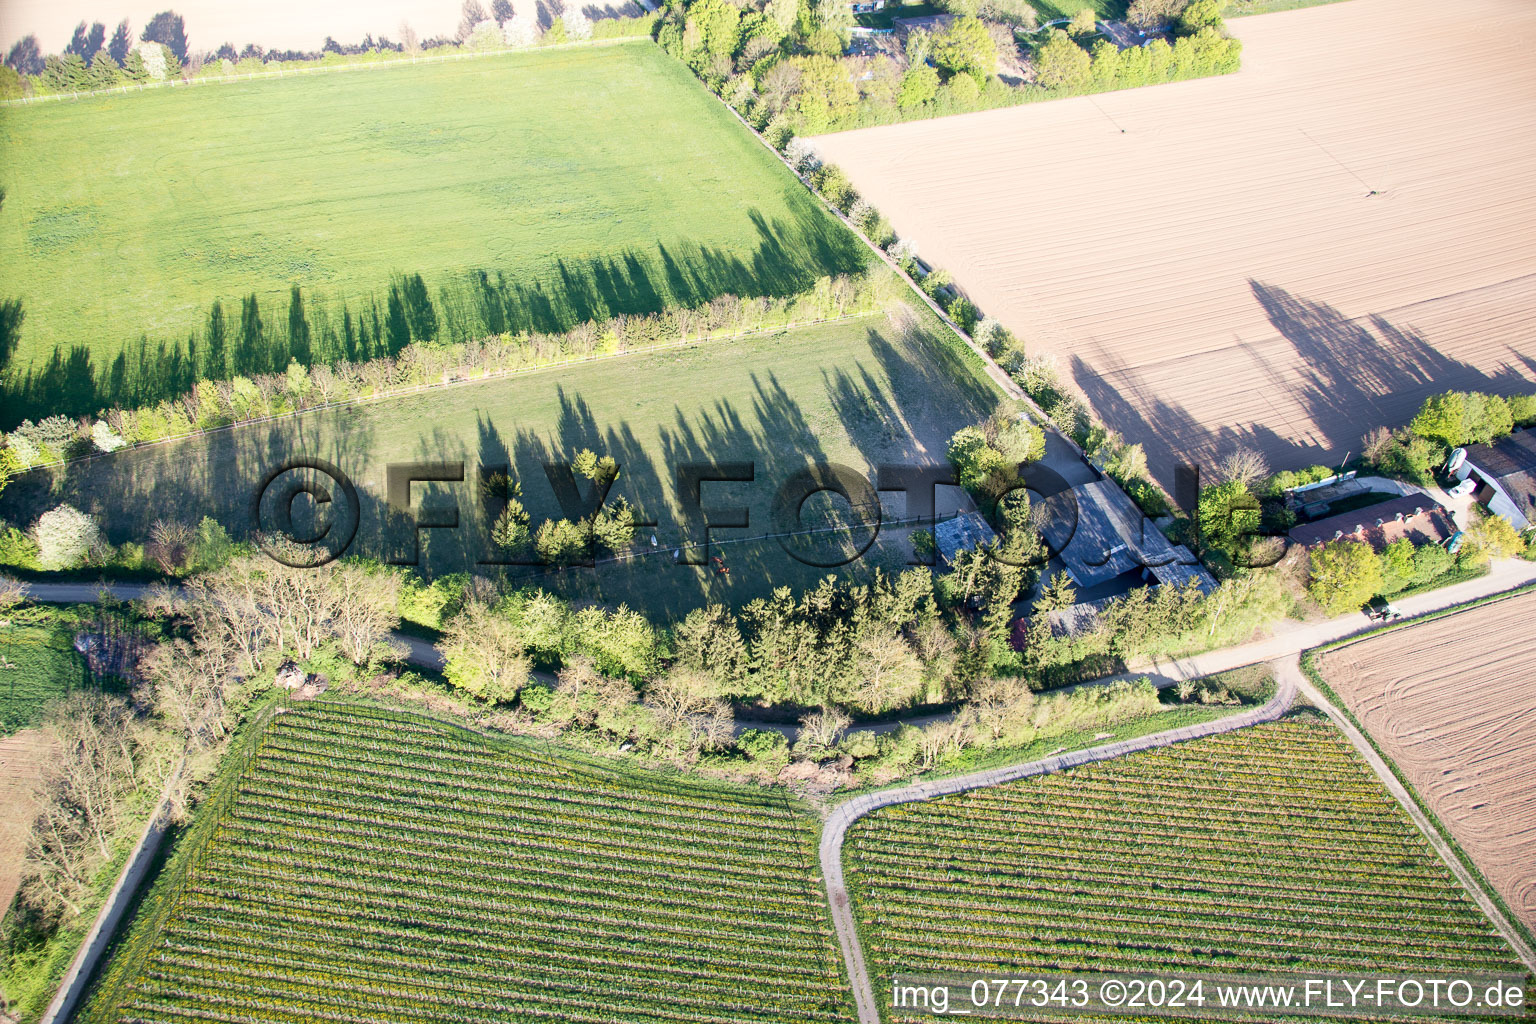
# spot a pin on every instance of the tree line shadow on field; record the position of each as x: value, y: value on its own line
x: 254, y: 335
x: 768, y: 425
x: 1350, y: 375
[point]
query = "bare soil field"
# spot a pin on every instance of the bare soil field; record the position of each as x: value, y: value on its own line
x: 21, y: 757
x: 1281, y: 258
x: 1451, y: 702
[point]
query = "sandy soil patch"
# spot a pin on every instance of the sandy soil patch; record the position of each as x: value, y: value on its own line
x: 1451, y: 702
x: 21, y: 758
x: 1281, y: 258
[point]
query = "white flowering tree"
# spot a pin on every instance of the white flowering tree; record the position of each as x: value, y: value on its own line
x: 520, y: 31
x: 904, y: 249
x: 577, y: 24
x: 153, y: 55
x: 802, y: 156
x: 105, y: 438
x: 65, y: 537
x: 486, y: 35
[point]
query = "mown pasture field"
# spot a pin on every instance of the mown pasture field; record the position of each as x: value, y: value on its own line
x: 1268, y: 849
x: 858, y: 392
x: 527, y: 191
x: 384, y: 867
x: 38, y: 666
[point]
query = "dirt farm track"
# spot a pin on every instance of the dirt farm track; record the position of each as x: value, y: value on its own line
x: 1281, y: 258
x: 1452, y: 702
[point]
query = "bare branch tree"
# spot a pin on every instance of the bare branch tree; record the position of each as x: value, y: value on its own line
x: 1243, y: 465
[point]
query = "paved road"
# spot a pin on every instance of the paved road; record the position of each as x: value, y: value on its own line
x: 847, y: 813
x: 1282, y: 650
x: 1289, y: 637
x: 1398, y: 790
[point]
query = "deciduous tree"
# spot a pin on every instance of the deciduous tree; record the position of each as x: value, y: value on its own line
x: 484, y: 654
x: 170, y: 30
x: 1061, y: 64
x: 1344, y: 575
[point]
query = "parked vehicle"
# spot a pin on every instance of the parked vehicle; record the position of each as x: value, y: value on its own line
x: 1382, y: 610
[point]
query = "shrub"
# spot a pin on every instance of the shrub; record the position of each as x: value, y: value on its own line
x: 1227, y: 512
x: 65, y: 538
x: 835, y: 186
x: 104, y: 438
x: 964, y: 313
x: 1062, y: 64
x: 16, y: 548
x: 1200, y: 14
x: 779, y: 133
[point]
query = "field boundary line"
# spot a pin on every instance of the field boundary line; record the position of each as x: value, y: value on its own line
x: 995, y: 372
x: 1378, y: 763
x: 357, y: 65
x: 416, y: 389
x: 845, y: 814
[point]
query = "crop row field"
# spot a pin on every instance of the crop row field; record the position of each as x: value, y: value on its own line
x: 1283, y: 258
x: 382, y: 868
x: 528, y: 191
x: 1268, y: 849
x: 1452, y: 704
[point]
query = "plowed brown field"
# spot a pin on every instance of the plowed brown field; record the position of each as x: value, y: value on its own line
x: 1208, y: 258
x: 21, y: 758
x: 1453, y: 702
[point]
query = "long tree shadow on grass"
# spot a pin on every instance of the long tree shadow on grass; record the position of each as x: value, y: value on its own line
x: 1349, y: 375
x: 922, y: 393
x: 758, y: 417
x: 789, y: 256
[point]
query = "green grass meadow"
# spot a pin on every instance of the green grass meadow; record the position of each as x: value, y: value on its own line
x: 38, y: 665
x: 857, y: 392
x: 529, y: 191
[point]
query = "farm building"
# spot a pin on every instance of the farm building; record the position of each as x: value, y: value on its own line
x: 1506, y: 476
x: 962, y: 533
x: 1114, y: 539
x: 1415, y: 517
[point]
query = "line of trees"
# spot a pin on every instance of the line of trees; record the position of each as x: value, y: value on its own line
x: 92, y: 61
x: 244, y: 367
x: 784, y: 64
x: 1444, y: 422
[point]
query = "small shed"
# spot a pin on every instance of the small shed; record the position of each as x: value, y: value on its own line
x: 962, y: 533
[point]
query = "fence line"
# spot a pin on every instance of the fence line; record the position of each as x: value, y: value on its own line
x: 172, y: 83
x: 415, y: 389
